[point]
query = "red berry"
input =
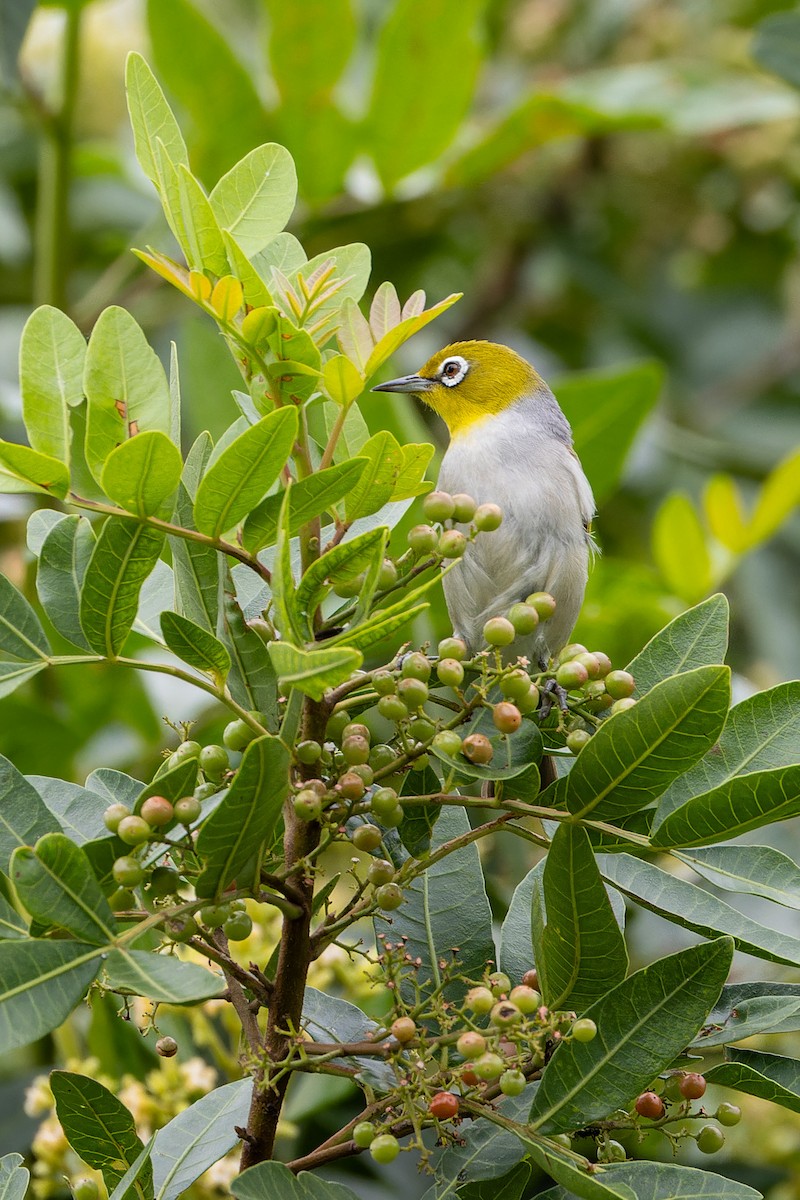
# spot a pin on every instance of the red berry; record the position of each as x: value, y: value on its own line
x: 477, y: 748
x: 443, y: 1106
x: 157, y: 811
x: 650, y: 1104
x: 693, y: 1086
x: 506, y: 717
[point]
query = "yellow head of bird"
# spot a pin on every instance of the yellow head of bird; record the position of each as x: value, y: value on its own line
x: 469, y: 381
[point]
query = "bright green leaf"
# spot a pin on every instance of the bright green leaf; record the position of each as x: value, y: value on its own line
x: 378, y: 482
x: 341, y: 380
x: 195, y: 645
x: 55, y: 883
x: 722, y: 503
x: 25, y: 470
x: 51, y: 357
x: 310, y: 497
x: 99, y: 1128
x: 313, y: 671
x: 151, y: 118
x: 680, y: 550
x: 256, y: 198
x: 142, y: 473
x: 123, y: 557
x: 696, y: 638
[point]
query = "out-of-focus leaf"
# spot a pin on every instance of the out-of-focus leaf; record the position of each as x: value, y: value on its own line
x: 256, y: 198
x: 313, y: 671
x: 745, y: 1008
x: 123, y: 557
x: 769, y: 1076
x: 99, y: 1128
x: 776, y: 45
x: 722, y: 503
x: 42, y: 981
x: 14, y: 18
x: 778, y: 497
x: 63, y: 560
x: 680, y: 550
x: 697, y: 638
x: 198, y: 1137
x: 51, y: 357
x: 142, y: 473
x: 56, y: 884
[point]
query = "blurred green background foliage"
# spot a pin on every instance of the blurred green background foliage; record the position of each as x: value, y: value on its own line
x: 614, y: 188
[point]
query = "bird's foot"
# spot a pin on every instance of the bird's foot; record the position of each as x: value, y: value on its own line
x: 552, y: 694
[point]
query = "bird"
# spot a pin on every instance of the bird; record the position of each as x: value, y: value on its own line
x: 511, y: 445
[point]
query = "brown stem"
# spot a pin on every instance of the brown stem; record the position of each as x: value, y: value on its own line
x: 241, y: 1004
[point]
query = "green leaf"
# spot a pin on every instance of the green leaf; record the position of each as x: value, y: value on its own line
x: 246, y: 817
x: 26, y: 470
x: 410, y: 482
x: 252, y: 681
x: 582, y: 952
x: 513, y: 754
x: 313, y: 671
x: 331, y: 1019
x: 203, y: 241
x: 13, y: 675
x: 635, y: 755
x: 310, y: 497
x: 321, y: 416
x: 14, y: 1178
x: 748, y: 779
x: 343, y: 563
x: 244, y: 472
x: 160, y: 977
x: 11, y: 923
x: 142, y: 473
x: 42, y: 982
x: 573, y: 1171
x: 392, y: 340
x: 722, y: 504
x: 124, y: 556
x: 181, y: 780
x: 510, y: 1186
x: 274, y: 1181
x: 744, y: 1009
x: 56, y: 884
x: 24, y: 817
x: 256, y: 198
x: 410, y: 49
x: 126, y: 389
x: 151, y: 119
x: 63, y: 560
x: 697, y: 638
x: 768, y: 1076
x: 78, y: 810
x: 21, y: 632
x: 134, y: 1172
x: 383, y: 624
x: 352, y: 266
x: 51, y: 356
x: 198, y: 1137
x: 606, y: 408
x: 694, y: 908
x: 776, y: 45
x: 341, y: 380
x: 288, y: 620
x: 643, y: 1024
x: 756, y: 870
x: 680, y: 549
x: 379, y: 480
x: 447, y: 907
x: 197, y: 567
x: 99, y: 1128
x: 354, y: 334
x: 309, y: 47
x: 666, y: 1181
x: 484, y: 1151
x: 195, y: 646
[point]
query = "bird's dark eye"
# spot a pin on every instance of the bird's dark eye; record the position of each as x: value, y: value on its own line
x: 450, y: 369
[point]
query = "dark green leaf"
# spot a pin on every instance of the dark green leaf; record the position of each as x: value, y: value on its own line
x: 21, y: 633
x: 693, y: 908
x: 483, y: 1151
x: 247, y: 815
x: 666, y: 1181
x: 11, y: 923
x: 24, y: 817
x: 135, y: 1172
x: 573, y: 1171
x: 142, y: 473
x: 769, y: 1076
x: 736, y: 806
x: 252, y: 681
x: 582, y: 952
x: 513, y: 754
x: 635, y: 755
x: 642, y: 1025
x: 160, y: 977
x: 274, y: 1181
x: 744, y: 1009
x: 55, y: 883
x: 63, y: 560
x: 331, y: 1019
x: 51, y: 357
x: 756, y: 870
x: 124, y: 556
x: 195, y: 646
x: 697, y: 638
x: 99, y: 1128
x: 42, y: 982
x: 197, y: 568
x: 313, y: 671
x: 419, y: 819
x: 310, y: 498
x: 198, y: 1137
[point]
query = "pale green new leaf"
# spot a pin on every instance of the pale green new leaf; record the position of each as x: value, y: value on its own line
x: 642, y: 1025
x: 696, y: 638
x: 151, y: 119
x: 51, y: 356
x: 126, y: 388
x: 21, y: 632
x: 385, y: 311
x: 244, y: 472
x: 40, y: 984
x: 256, y: 198
x: 310, y: 497
x: 635, y: 755
x: 582, y: 952
x: 768, y: 1076
x: 313, y: 671
x: 341, y: 380
x: 353, y: 264
x: 680, y: 549
x: 197, y: 568
x: 63, y: 559
x: 195, y: 645
x: 55, y: 883
x: 99, y: 1128
x: 25, y: 470
x: 198, y: 1137
x: 123, y: 557
x: 142, y: 473
x: 410, y: 481
x: 354, y: 334
x: 724, y: 512
x: 778, y: 497
x: 755, y: 870
x: 204, y: 246
x: 160, y: 977
x: 693, y: 908
x: 377, y: 484
x: 246, y: 817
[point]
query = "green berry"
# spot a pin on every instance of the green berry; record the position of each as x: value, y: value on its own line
x: 544, y: 604
x: 710, y: 1139
x: 355, y: 749
x: 728, y: 1114
x: 387, y: 576
x: 516, y: 685
x: 471, y: 1044
x: 238, y: 927
x: 478, y: 749
x: 121, y: 900
x: 351, y: 786
x: 423, y: 539
x: 489, y: 1066
x: 204, y: 791
x: 337, y: 723
x: 479, y: 1000
x: 584, y: 1030
x: 603, y: 662
x: 186, y: 750
x: 356, y: 729
x: 113, y: 815
x: 238, y: 734
x: 452, y: 543
x: 452, y: 647
x: 389, y: 896
x: 570, y: 651
x: 527, y: 999
x: 562, y: 1139
x: 499, y: 982
x: 366, y: 837
x: 383, y: 801
x: 384, y: 683
x: 577, y: 739
x: 571, y: 675
x: 214, y: 916
x: 380, y: 871
x: 364, y: 772
x: 363, y: 1134
x: 214, y: 762
x: 384, y: 1148
x: 450, y: 672
x: 416, y: 666
x: 512, y: 1082
x: 438, y: 506
x: 127, y: 871
x: 447, y: 741
x: 392, y: 708
x: 498, y: 631
x: 381, y: 756
x: 157, y: 811
x: 394, y: 818
x: 347, y: 588
x: 413, y: 693
x: 422, y: 729
x: 187, y: 809
x: 619, y: 684
x: 85, y: 1188
x: 530, y: 701
x: 182, y: 929
x: 488, y: 517
x: 308, y: 752
x: 523, y: 617
x: 623, y: 705
x: 133, y: 831
x: 164, y: 882
x: 464, y: 508
x: 612, y: 1151
x: 404, y: 1029
x: 590, y: 662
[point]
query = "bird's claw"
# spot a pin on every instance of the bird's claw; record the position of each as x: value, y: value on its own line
x: 552, y: 693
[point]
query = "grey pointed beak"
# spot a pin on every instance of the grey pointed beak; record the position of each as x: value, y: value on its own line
x: 407, y: 383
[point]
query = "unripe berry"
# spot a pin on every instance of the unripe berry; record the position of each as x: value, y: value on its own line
x: 488, y: 517
x: 438, y: 506
x: 127, y: 872
x: 422, y: 729
x: 238, y: 734
x: 186, y: 750
x: 464, y: 508
x: 603, y: 661
x: 383, y: 801
x: 499, y: 982
x: 167, y: 1047
x: 380, y: 871
x: 562, y: 1139
x: 121, y: 899
x: 512, y: 1082
x: 570, y: 651
x: 479, y: 1000
x: 182, y: 929
x: 447, y: 741
x: 728, y: 1114
x: 619, y: 684
x: 477, y: 748
x: 351, y: 786
x: 527, y: 999
x: 577, y: 739
x: 363, y: 1134
x: 498, y: 631
x: 214, y: 916
x: 584, y: 1030
x: 164, y: 882
x: 355, y: 749
x: 157, y: 811
x: 347, y: 587
x: 392, y: 708
x: 85, y: 1188
x: 384, y: 1148
x: 214, y: 762
x: 531, y: 978
x: 416, y: 666
x: 133, y: 831
x: 389, y: 896
x: 452, y: 647
x: 452, y: 543
x: 413, y: 693
x: 387, y: 575
x: 571, y: 675
x: 530, y: 701
x: 489, y: 1066
x: 443, y: 1106
x: 710, y: 1139
x: 544, y: 604
x: 590, y: 662
x: 471, y: 1044
x: 187, y: 809
x: 693, y: 1086
x: 515, y: 685
x: 337, y: 723
x: 504, y: 1014
x: 624, y: 705
x: 381, y: 756
x: 650, y: 1104
x: 308, y: 752
x: 366, y: 837
x: 612, y: 1151
x: 384, y: 683
x: 404, y: 1029
x: 364, y: 773
x: 450, y: 672
x: 204, y: 791
x: 238, y: 927
x: 506, y: 717
x: 423, y: 539
x: 113, y: 815
x: 523, y: 617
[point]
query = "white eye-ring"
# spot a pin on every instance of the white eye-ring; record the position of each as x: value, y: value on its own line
x: 453, y: 370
